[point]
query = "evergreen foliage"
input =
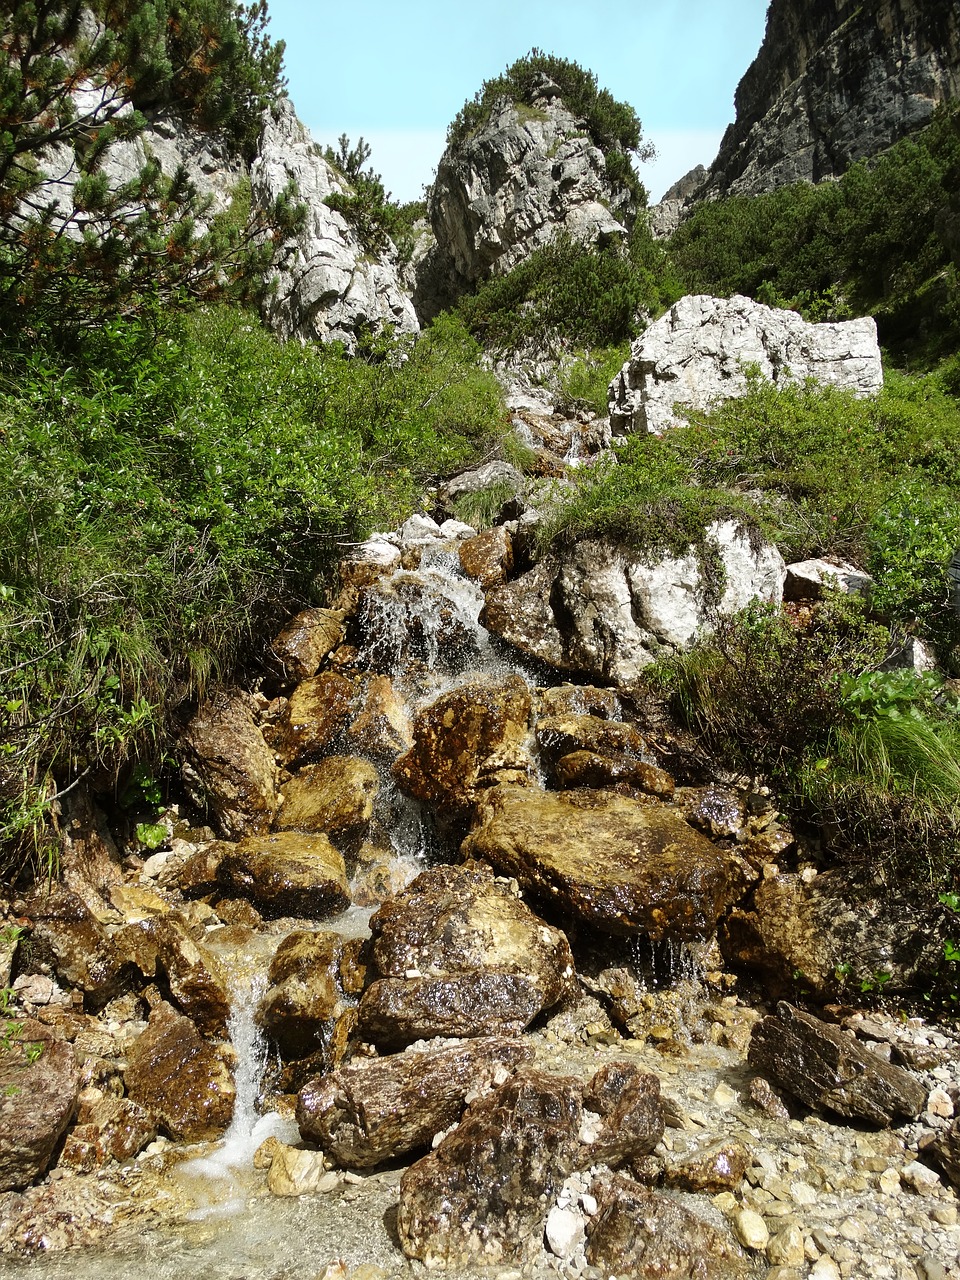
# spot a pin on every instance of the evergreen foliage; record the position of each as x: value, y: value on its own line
x: 369, y: 208
x: 876, y: 241
x: 75, y: 249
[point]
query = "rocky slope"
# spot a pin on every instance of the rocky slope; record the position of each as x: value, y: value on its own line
x: 530, y: 172
x: 836, y: 81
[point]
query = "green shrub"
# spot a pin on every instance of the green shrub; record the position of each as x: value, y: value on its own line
x: 874, y: 241
x: 585, y: 379
x: 173, y: 491
x: 369, y: 208
x: 565, y: 294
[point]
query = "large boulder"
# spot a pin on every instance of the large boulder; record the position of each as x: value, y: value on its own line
x: 326, y: 285
x: 458, y: 954
x: 465, y: 741
x: 335, y: 796
x: 607, y: 613
x: 162, y: 948
x: 482, y: 1194
x: 617, y: 863
x: 231, y: 769
x: 647, y: 1235
x: 829, y: 930
x: 39, y: 1084
x: 305, y: 995
x: 378, y: 1109
x: 699, y: 352
x: 184, y: 1081
x: 316, y: 712
x: 286, y: 873
x: 510, y: 186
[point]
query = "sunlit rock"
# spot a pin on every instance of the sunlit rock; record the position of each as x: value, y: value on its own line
x: 181, y: 1078
x: 39, y: 1083
x: 458, y: 954
x: 231, y: 769
x: 615, y: 862
x: 287, y: 873
x: 334, y: 796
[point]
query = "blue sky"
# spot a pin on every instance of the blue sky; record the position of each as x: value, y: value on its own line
x: 398, y: 72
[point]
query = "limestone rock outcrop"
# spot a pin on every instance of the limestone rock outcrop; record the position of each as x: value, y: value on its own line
x: 327, y: 287
x: 699, y: 352
x: 528, y: 173
x: 606, y: 613
x: 834, y: 82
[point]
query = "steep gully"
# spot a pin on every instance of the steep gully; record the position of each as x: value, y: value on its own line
x: 765, y: 1181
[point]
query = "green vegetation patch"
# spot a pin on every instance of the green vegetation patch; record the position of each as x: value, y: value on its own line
x: 168, y: 494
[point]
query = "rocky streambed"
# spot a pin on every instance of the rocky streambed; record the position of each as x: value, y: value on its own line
x: 476, y: 968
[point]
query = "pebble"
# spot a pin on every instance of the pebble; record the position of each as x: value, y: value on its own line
x: 751, y: 1230
x: 825, y: 1269
x: 922, y: 1179
x: 889, y: 1182
x: 564, y: 1231
x: 786, y: 1248
x: 724, y: 1096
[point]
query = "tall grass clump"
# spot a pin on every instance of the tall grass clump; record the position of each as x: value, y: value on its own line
x: 167, y: 495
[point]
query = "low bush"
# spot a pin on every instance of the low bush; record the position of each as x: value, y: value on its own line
x: 816, y: 470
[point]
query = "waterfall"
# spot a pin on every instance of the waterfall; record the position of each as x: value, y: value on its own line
x: 219, y: 1180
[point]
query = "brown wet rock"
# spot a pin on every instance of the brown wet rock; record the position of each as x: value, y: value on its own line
x: 718, y: 1166
x: 334, y: 796
x: 379, y: 1109
x: 315, y: 714
x: 89, y: 859
x: 588, y: 769
x: 488, y: 558
x: 162, y: 948
x: 463, y: 742
x: 611, y: 860
x: 482, y: 1195
x: 946, y: 1150
x: 765, y: 1098
x: 307, y: 639
x: 647, y: 1235
x: 458, y: 954
x: 287, y: 874
x: 304, y: 997
x: 719, y: 811
x: 112, y: 1128
x: 380, y: 725
x: 198, y: 876
x: 231, y: 769
x: 827, y: 926
x: 378, y: 875
x: 627, y: 1101
x: 829, y: 1070
x: 72, y: 938
x: 181, y: 1078
x: 561, y: 735
x: 579, y: 700
x: 39, y: 1084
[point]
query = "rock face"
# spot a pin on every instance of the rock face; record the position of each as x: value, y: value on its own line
x: 623, y: 866
x: 826, y: 1068
x: 326, y: 285
x: 39, y: 1081
x: 836, y: 81
x: 458, y: 954
x: 697, y: 354
x: 527, y: 174
x: 606, y: 613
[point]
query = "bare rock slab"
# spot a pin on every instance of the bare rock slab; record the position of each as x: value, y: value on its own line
x: 39, y: 1084
x: 181, y: 1078
x: 379, y: 1109
x: 615, y: 862
x: 458, y: 954
x: 697, y: 354
x: 828, y: 1069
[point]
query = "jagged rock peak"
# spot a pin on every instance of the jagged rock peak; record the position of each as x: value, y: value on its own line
x: 327, y: 287
x: 836, y: 81
x: 529, y: 172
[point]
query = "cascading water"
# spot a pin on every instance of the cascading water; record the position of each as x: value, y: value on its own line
x: 217, y: 1180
